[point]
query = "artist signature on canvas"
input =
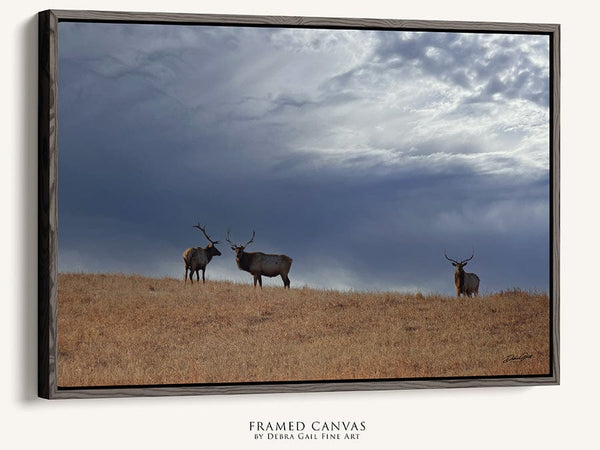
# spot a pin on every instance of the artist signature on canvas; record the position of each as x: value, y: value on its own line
x: 521, y: 357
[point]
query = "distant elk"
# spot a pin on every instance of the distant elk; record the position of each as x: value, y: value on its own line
x: 465, y: 283
x: 195, y: 259
x: 259, y: 264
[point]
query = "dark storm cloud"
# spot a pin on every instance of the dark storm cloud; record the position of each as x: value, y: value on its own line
x: 360, y: 163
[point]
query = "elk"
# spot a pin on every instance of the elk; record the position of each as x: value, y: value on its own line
x: 195, y: 259
x: 259, y: 264
x: 465, y: 283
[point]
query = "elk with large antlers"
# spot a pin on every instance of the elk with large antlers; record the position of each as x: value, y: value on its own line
x: 259, y: 264
x: 195, y: 259
x: 465, y: 283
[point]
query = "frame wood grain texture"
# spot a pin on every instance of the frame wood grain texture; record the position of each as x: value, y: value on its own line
x: 48, y: 212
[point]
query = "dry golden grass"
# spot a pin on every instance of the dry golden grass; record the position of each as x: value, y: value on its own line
x: 131, y: 330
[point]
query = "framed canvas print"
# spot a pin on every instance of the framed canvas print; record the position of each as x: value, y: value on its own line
x: 246, y: 204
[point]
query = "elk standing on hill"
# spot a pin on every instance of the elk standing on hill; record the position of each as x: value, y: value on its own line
x: 197, y: 258
x: 259, y: 264
x: 465, y: 283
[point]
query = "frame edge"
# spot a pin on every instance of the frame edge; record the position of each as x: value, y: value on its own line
x: 47, y: 210
x: 555, y: 210
x: 298, y: 21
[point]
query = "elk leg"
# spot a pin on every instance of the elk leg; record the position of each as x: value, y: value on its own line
x: 286, y: 282
x: 260, y: 281
x: 203, y: 276
x: 185, y: 277
x: 255, y: 280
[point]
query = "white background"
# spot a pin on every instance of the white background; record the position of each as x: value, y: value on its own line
x: 541, y: 417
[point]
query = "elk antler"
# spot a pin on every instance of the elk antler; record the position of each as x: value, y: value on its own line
x: 227, y: 238
x: 251, y: 239
x: 463, y: 261
x: 468, y: 259
x: 450, y: 259
x: 205, y: 235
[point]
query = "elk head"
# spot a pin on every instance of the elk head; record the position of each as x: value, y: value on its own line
x: 211, y: 246
x: 239, y: 249
x: 459, y: 265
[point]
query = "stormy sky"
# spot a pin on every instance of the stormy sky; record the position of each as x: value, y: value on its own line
x: 363, y: 155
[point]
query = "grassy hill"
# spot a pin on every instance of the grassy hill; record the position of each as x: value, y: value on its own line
x: 128, y: 330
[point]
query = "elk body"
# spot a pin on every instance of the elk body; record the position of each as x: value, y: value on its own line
x: 465, y: 283
x: 259, y: 264
x: 195, y: 259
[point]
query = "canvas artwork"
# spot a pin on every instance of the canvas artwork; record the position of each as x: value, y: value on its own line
x: 278, y: 205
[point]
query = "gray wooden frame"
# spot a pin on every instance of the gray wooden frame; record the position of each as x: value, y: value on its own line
x: 48, y: 212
